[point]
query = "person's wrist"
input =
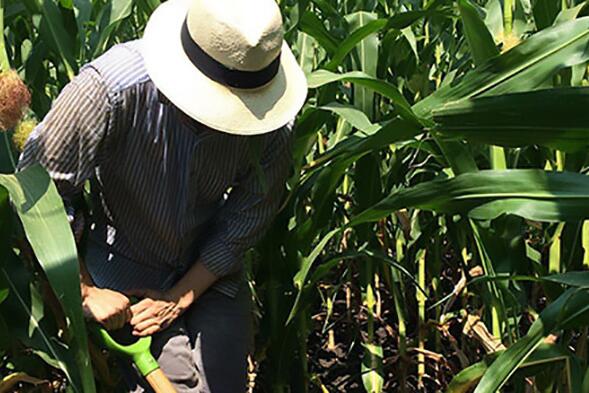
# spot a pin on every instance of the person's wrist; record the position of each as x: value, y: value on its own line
x: 181, y: 300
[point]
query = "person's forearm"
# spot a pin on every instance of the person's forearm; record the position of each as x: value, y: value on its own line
x: 193, y: 284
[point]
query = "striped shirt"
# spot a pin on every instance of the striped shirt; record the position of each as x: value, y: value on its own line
x: 166, y: 190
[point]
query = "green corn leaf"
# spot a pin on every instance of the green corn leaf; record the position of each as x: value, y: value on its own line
x: 468, y: 378
x: 3, y: 294
x: 347, y: 45
x: 457, y: 155
x: 323, y: 77
x: 522, y: 68
x: 4, y: 60
x: 301, y: 276
x: 405, y: 19
x: 543, y: 357
x: 39, y: 207
x: 328, y: 9
x: 24, y: 305
x: 5, y: 221
x: 585, y: 243
x: 508, y: 362
x: 572, y: 279
x: 313, y: 26
x: 53, y: 30
x: 478, y: 36
x: 358, y: 145
x: 529, y: 193
x: 376, y: 256
x: 306, y: 51
x: 556, y: 118
x: 83, y: 12
x: 344, y: 155
x: 562, y: 311
x: 354, y: 116
x: 569, y: 14
x: 545, y: 12
x: 372, y: 370
x: 365, y: 61
x: 117, y: 10
x: 575, y: 314
x: 494, y: 19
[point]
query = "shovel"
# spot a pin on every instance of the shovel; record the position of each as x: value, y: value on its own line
x: 137, y: 351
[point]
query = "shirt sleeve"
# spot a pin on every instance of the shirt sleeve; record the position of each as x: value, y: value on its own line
x: 67, y: 142
x: 250, y: 208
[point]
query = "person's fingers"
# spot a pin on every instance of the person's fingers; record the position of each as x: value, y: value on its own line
x: 144, y: 315
x: 145, y: 324
x: 151, y: 330
x: 141, y: 306
x: 145, y: 327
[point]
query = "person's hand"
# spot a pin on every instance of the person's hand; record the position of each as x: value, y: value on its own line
x: 109, y: 308
x: 154, y: 312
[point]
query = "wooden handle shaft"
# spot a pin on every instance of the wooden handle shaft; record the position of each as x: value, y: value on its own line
x: 159, y: 382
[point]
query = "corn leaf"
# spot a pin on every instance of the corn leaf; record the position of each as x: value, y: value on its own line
x: 313, y: 26
x: 53, y: 26
x: 27, y: 321
x: 358, y: 144
x: 488, y: 194
x: 478, y: 36
x: 117, y: 10
x: 543, y: 357
x: 522, y: 68
x: 555, y: 118
x: 372, y: 370
x: 347, y: 45
x: 355, y: 117
x: 323, y: 77
x: 558, y: 313
x: 301, y: 276
x: 366, y: 60
x: 572, y: 279
x: 545, y: 12
x: 39, y: 207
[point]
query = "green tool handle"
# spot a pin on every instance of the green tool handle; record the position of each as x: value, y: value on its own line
x: 145, y: 362
x: 138, y: 351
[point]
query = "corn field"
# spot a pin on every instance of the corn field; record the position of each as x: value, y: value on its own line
x: 433, y: 237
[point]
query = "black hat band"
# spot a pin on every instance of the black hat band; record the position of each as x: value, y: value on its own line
x: 222, y: 74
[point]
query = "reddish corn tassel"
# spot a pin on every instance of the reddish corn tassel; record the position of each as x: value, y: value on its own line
x: 15, y: 98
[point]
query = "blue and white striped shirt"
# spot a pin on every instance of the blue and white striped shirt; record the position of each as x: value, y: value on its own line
x: 166, y: 190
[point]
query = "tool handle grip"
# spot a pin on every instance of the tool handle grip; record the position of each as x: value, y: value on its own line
x: 159, y: 382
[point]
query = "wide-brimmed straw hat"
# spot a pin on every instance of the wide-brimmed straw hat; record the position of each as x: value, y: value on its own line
x: 225, y: 63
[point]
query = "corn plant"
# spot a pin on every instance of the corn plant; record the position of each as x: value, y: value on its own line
x: 437, y: 164
x: 59, y: 338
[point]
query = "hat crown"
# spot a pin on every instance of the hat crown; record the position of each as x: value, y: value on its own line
x: 241, y: 35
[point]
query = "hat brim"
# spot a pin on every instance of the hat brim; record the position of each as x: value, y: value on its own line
x: 223, y: 108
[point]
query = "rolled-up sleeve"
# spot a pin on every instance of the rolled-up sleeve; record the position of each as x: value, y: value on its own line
x: 250, y: 207
x: 67, y: 142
